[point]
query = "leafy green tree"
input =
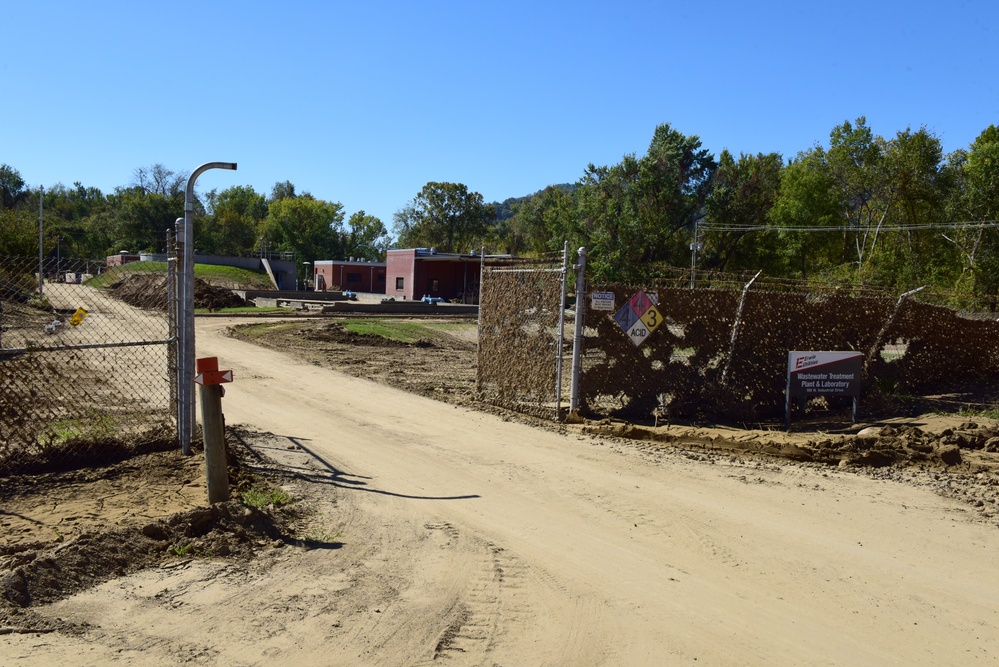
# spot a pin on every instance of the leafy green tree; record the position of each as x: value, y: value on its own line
x: 974, y: 197
x: 643, y: 210
x: 404, y: 222
x: 12, y: 190
x: 674, y: 180
x: 609, y: 221
x: 445, y: 216
x: 18, y: 232
x: 807, y: 199
x: 236, y: 213
x: 544, y: 221
x: 743, y: 195
x: 67, y: 211
x: 158, y: 180
x: 309, y: 227
x: 138, y: 221
x: 365, y: 237
x: 282, y: 190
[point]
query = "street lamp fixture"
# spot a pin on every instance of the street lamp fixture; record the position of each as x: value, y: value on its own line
x: 185, y: 314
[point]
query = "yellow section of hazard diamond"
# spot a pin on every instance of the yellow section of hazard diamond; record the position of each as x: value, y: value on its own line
x: 652, y: 319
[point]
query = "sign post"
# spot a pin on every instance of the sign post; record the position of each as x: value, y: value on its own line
x: 822, y: 374
x: 210, y: 380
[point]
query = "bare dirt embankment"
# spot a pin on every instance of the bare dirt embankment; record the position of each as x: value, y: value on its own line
x: 425, y: 532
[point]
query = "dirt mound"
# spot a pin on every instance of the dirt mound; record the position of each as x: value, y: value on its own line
x: 149, y: 290
x: 334, y: 332
x: 229, y: 530
x: 872, y: 447
x: 214, y: 298
x: 67, y: 531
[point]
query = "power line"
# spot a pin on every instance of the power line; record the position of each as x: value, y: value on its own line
x: 707, y: 226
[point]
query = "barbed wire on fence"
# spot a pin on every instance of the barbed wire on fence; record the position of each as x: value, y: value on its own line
x: 720, y: 350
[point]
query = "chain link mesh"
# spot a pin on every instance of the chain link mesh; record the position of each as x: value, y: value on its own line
x: 521, y: 340
x: 84, y: 361
x: 720, y: 352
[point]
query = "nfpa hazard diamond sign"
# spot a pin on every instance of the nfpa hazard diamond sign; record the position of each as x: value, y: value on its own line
x: 638, y: 317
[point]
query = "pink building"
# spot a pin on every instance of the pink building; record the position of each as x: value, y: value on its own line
x: 417, y: 272
x: 353, y: 275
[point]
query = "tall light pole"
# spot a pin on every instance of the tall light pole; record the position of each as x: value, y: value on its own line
x: 185, y: 314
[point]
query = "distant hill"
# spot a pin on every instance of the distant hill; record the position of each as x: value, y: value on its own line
x: 508, y: 207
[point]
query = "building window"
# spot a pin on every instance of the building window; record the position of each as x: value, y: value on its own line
x: 435, y: 285
x: 353, y: 277
x: 398, y: 284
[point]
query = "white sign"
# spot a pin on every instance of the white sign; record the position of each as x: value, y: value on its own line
x: 602, y: 300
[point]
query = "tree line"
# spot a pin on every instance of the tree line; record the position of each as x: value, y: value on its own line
x: 83, y: 222
x: 861, y: 209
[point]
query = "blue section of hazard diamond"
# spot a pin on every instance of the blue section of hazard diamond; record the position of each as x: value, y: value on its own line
x: 626, y: 317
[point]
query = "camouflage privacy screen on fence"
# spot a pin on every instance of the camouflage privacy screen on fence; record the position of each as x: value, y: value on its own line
x: 521, y: 342
x: 720, y: 351
x: 83, y: 360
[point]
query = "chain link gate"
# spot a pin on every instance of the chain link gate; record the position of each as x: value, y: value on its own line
x: 84, y: 361
x: 522, y: 346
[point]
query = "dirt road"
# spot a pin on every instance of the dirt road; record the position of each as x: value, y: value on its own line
x: 457, y: 537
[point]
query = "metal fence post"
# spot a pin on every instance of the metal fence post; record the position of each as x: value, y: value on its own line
x: 735, y: 327
x: 561, y: 333
x: 185, y: 325
x: 577, y: 335
x: 172, y: 319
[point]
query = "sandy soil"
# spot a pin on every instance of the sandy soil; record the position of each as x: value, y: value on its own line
x: 443, y: 534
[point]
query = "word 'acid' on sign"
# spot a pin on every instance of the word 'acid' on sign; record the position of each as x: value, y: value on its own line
x: 639, y: 317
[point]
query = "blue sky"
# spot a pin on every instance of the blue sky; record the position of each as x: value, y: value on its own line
x: 364, y: 103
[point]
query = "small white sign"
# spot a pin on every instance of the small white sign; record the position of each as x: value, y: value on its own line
x: 638, y: 332
x: 602, y: 300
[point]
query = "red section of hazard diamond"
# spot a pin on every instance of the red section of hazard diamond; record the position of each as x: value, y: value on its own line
x: 640, y: 303
x: 213, y: 377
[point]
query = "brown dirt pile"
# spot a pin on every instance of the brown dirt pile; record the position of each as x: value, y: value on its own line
x: 872, y: 447
x: 148, y: 290
x: 104, y: 522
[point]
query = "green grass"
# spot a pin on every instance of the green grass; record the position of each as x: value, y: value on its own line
x: 262, y: 496
x: 93, y: 427
x: 181, y: 549
x: 402, y: 330
x: 405, y: 332
x: 987, y: 413
x: 212, y: 273
x: 267, y: 328
x: 243, y: 309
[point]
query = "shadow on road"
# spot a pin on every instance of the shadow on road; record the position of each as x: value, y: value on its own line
x: 329, y: 473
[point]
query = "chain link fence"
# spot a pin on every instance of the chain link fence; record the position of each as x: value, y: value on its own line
x: 522, y: 343
x: 719, y: 351
x: 85, y: 370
